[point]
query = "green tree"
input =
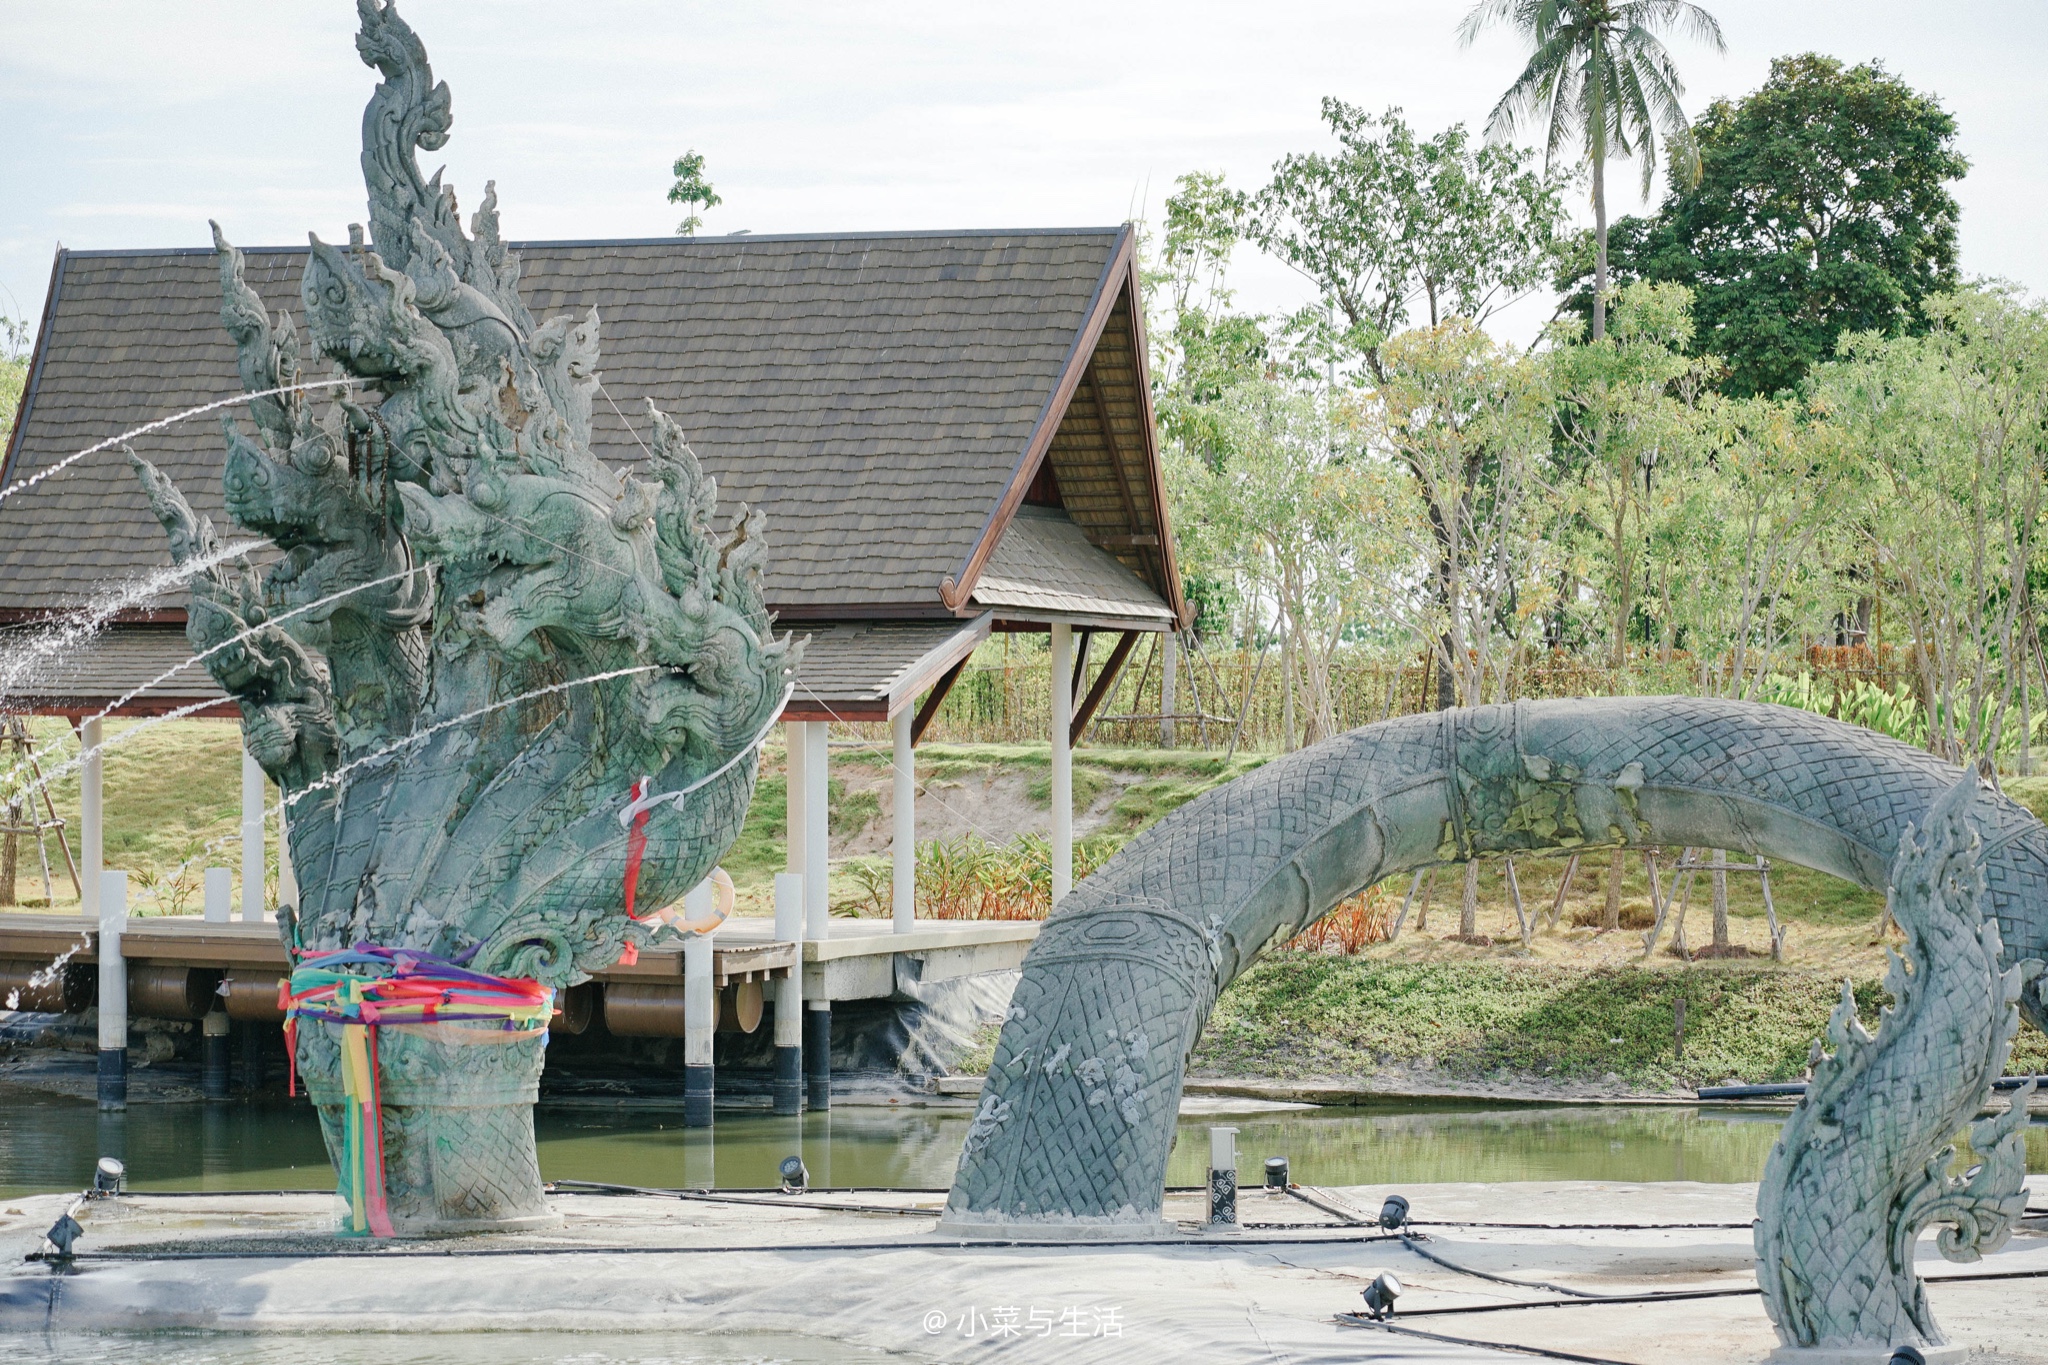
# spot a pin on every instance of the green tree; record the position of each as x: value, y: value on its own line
x: 1468, y: 422
x: 1950, y: 435
x: 13, y: 374
x: 1291, y: 516
x: 1822, y: 207
x: 1392, y: 221
x: 1598, y: 76
x: 1626, y: 404
x: 692, y: 189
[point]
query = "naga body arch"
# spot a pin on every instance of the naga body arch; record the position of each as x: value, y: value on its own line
x: 1078, y: 1112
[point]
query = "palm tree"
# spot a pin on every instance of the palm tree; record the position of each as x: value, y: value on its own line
x: 1599, y: 76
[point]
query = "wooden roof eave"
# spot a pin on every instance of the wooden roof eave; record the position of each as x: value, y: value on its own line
x: 1119, y: 280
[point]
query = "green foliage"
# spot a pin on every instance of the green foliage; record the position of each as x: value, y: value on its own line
x: 693, y: 190
x: 1392, y: 221
x: 13, y: 373
x: 1822, y: 208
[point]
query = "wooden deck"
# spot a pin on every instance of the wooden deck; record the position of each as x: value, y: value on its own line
x: 743, y: 949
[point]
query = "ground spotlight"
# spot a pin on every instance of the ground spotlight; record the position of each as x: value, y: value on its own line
x: 1907, y: 1355
x: 795, y: 1179
x: 1380, y: 1296
x: 1276, y: 1173
x: 109, y: 1177
x: 1394, y: 1213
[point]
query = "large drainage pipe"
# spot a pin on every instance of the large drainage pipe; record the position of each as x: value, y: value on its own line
x: 46, y: 988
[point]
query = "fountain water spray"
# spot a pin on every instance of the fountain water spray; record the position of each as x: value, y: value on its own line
x: 79, y: 631
x: 204, y: 654
x: 25, y: 484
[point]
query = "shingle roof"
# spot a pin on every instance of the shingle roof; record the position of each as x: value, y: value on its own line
x: 1045, y: 566
x: 872, y: 393
x: 110, y: 666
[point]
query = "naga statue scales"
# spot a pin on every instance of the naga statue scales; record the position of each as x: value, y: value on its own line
x: 509, y: 636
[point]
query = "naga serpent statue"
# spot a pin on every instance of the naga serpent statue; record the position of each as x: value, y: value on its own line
x: 505, y: 637
x: 1077, y: 1115
x: 1862, y: 1165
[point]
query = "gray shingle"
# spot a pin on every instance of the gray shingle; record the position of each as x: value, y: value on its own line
x: 871, y: 394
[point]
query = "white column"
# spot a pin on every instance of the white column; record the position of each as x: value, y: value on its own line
x: 700, y: 1011
x: 903, y: 832
x: 789, y: 994
x: 817, y: 843
x: 287, y: 875
x: 113, y: 901
x: 1062, y: 761
x: 252, y: 838
x: 789, y: 928
x: 91, y: 809
x: 794, y: 736
x: 700, y: 1001
x: 1169, y: 681
x: 220, y: 895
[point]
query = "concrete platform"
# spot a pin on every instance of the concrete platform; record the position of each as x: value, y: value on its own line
x: 864, y: 1272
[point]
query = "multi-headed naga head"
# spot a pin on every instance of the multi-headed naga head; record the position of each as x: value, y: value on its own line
x: 485, y: 636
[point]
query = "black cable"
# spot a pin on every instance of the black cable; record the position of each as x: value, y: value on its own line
x: 793, y: 1200
x: 1677, y: 1295
x: 1579, y: 1227
x: 1665, y: 1296
x: 1360, y: 1320
x: 924, y: 1244
x: 1415, y: 1245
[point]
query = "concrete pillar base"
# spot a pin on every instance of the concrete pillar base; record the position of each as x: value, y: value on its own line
x: 818, y: 1056
x: 699, y: 1088
x: 113, y: 1078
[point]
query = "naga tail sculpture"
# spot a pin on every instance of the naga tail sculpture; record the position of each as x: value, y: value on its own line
x: 478, y: 641
x: 1078, y: 1113
x: 1862, y: 1165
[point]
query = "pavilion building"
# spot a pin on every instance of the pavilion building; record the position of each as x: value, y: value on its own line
x: 951, y: 434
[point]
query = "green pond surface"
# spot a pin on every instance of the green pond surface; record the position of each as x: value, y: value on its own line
x: 49, y: 1143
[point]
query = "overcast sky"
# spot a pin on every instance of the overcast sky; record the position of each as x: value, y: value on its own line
x: 130, y: 124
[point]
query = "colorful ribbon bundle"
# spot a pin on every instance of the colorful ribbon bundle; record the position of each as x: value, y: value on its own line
x: 368, y: 987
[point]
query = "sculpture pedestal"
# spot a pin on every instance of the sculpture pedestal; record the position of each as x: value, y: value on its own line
x: 457, y: 1124
x: 1951, y: 1354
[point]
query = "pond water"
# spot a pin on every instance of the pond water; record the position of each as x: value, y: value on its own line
x: 49, y: 1143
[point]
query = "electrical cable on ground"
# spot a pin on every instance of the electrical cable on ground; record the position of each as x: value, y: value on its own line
x: 1359, y: 1320
x: 1414, y: 1244
x: 922, y: 1244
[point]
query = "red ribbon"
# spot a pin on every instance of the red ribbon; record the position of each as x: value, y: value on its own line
x: 636, y: 848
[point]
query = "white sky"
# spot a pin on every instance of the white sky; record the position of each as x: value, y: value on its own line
x: 129, y: 124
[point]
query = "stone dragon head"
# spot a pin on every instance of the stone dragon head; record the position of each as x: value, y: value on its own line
x: 479, y: 636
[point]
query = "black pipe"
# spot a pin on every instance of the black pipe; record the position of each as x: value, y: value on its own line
x: 1784, y: 1089
x: 213, y: 1069
x: 818, y: 1053
x: 699, y: 1090
x: 788, y: 1088
x: 113, y: 1079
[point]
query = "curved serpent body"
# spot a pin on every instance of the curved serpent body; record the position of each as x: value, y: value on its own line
x: 1078, y: 1112
x: 1862, y: 1165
